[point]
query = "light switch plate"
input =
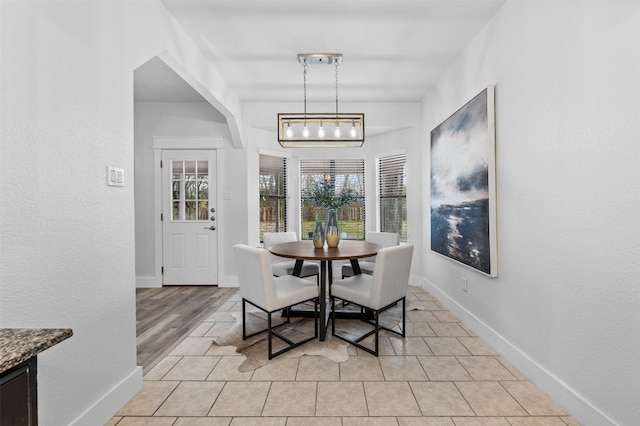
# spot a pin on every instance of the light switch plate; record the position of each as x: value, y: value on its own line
x: 115, y: 176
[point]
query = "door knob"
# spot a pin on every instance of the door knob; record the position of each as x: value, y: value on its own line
x: 211, y: 228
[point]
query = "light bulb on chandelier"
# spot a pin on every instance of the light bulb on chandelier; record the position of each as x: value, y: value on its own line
x: 321, y: 130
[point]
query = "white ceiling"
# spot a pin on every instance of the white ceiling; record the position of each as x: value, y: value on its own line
x: 393, y: 50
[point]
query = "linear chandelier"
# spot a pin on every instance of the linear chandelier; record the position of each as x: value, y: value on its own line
x: 320, y: 130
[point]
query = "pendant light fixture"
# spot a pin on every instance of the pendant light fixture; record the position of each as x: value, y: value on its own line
x: 320, y: 130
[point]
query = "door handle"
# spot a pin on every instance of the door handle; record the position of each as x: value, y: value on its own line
x: 211, y: 228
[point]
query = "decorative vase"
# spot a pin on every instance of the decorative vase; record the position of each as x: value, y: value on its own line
x: 332, y: 233
x: 318, y: 235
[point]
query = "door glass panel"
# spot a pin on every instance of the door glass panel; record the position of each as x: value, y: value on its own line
x: 203, y: 210
x: 203, y: 190
x: 203, y: 187
x: 190, y: 190
x: 177, y: 169
x: 175, y: 192
x: 190, y: 170
x: 190, y: 210
x: 177, y: 186
x: 175, y: 211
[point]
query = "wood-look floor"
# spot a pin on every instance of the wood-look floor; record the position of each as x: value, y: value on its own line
x: 165, y: 315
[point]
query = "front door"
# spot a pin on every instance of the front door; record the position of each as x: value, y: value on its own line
x: 189, y: 236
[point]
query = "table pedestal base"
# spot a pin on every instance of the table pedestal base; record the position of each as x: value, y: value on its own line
x: 324, y: 302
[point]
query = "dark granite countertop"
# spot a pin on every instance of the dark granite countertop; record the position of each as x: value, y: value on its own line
x: 20, y: 344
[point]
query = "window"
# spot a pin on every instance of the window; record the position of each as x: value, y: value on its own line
x: 392, y: 179
x: 189, y: 190
x: 344, y: 174
x: 273, y: 194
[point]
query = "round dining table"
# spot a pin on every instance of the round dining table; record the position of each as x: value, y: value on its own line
x: 302, y: 250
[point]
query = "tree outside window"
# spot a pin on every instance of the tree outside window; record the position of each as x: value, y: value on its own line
x: 343, y: 176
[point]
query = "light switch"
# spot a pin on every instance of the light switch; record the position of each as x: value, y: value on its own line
x: 115, y: 176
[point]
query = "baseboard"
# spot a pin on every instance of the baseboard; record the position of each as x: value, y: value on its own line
x: 112, y: 401
x: 148, y: 281
x: 561, y: 393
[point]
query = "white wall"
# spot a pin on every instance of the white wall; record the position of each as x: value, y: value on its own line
x: 407, y: 141
x: 237, y: 209
x: 565, y: 308
x: 67, y: 240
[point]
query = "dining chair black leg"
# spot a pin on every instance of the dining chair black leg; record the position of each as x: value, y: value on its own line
x: 315, y: 317
x: 270, y: 351
x: 333, y: 316
x: 404, y: 315
x: 244, y: 322
x: 377, y: 332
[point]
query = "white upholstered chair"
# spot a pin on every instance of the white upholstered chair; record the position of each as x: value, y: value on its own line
x: 376, y: 293
x: 385, y: 239
x: 260, y: 288
x: 283, y: 266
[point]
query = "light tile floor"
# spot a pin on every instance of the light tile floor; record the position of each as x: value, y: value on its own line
x: 441, y: 374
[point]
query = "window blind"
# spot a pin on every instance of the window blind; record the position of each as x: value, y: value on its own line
x: 273, y: 194
x: 392, y: 179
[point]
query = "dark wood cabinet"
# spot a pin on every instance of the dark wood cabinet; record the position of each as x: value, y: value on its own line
x: 19, y: 349
x: 19, y: 395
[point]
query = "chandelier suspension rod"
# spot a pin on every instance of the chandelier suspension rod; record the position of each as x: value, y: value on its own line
x: 304, y: 74
x: 336, y: 64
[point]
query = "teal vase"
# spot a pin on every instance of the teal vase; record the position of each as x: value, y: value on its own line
x: 318, y: 235
x: 332, y: 233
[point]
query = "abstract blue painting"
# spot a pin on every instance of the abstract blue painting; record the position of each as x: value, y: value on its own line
x: 463, y: 196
